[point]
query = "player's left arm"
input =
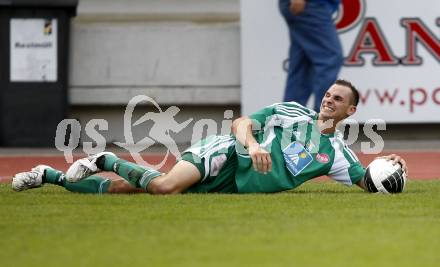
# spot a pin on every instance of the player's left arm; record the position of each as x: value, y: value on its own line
x: 396, y: 160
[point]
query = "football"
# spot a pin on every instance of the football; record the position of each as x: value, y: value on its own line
x: 382, y: 176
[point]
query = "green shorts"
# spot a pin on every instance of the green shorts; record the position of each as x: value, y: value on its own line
x: 216, y: 159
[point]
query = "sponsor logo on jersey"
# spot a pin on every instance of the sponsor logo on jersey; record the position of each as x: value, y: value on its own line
x: 297, y: 158
x: 294, y: 158
x: 322, y: 157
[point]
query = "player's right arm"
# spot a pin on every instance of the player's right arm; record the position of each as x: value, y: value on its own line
x: 242, y: 129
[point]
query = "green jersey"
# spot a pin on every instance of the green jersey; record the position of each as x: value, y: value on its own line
x: 298, y: 149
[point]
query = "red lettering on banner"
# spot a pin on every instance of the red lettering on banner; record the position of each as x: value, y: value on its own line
x: 371, y: 40
x: 386, y: 96
x: 350, y: 14
x: 416, y: 31
x: 363, y: 98
x: 413, y: 102
x: 434, y: 96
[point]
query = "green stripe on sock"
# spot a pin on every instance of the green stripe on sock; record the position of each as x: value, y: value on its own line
x: 137, y: 176
x: 148, y: 176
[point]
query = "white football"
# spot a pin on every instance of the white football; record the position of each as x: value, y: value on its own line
x: 382, y: 176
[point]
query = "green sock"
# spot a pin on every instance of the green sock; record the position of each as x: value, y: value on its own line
x: 53, y: 176
x: 92, y: 184
x: 106, y: 162
x: 136, y: 175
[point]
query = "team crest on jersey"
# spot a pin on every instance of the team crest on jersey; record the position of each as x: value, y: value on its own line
x: 297, y: 158
x: 322, y: 157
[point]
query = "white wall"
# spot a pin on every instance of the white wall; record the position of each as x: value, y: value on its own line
x: 184, y: 53
x: 180, y: 52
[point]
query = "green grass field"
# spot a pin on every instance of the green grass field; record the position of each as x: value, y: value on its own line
x: 318, y: 224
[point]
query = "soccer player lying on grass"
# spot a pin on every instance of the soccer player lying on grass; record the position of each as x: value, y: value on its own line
x: 275, y: 149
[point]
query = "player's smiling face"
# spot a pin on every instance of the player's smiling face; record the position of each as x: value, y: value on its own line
x: 337, y: 103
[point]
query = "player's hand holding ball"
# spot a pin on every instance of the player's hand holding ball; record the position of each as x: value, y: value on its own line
x: 387, y: 174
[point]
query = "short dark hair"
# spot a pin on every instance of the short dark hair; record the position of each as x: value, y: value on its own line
x: 354, y: 91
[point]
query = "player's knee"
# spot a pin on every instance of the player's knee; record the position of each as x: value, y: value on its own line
x: 159, y: 187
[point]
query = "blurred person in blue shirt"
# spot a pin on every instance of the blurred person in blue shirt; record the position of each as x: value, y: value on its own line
x: 315, y: 53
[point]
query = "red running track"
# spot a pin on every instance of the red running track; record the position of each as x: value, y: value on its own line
x: 421, y: 164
